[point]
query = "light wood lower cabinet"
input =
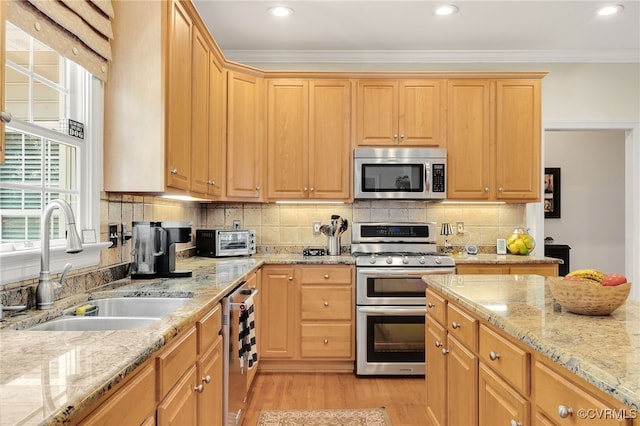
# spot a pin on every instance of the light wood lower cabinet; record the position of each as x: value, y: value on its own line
x: 307, y: 319
x: 501, y: 381
x: 544, y: 269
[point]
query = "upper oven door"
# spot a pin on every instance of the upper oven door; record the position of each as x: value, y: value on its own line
x: 394, y: 286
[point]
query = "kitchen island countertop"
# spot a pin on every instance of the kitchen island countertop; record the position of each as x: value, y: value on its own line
x: 500, y: 259
x: 603, y: 350
x: 48, y: 377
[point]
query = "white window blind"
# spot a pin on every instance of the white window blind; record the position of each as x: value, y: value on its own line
x: 80, y: 30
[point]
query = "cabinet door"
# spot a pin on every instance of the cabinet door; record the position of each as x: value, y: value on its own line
x: 468, y: 139
x: 180, y: 407
x: 420, y: 113
x: 200, y: 114
x: 217, y: 128
x: 244, y: 136
x: 518, y: 140
x: 279, y: 316
x: 210, y: 377
x: 330, y: 139
x: 436, y: 373
x: 287, y: 139
x: 462, y: 384
x: 2, y: 60
x: 377, y: 112
x: 499, y: 403
x: 178, y: 114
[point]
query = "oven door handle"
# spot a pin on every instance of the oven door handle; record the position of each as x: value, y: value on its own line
x: 384, y: 272
x: 393, y: 310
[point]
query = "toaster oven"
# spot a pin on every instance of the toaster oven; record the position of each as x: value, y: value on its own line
x: 224, y: 243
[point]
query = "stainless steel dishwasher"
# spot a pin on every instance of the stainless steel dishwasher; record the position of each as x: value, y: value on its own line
x: 240, y: 355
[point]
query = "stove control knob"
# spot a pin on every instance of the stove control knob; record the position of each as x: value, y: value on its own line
x: 389, y: 260
x: 438, y: 260
x: 405, y: 260
x: 422, y: 260
x: 372, y: 259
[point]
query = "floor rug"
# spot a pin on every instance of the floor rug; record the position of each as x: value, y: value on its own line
x: 351, y: 417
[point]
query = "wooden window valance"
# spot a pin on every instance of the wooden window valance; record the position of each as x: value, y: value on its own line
x: 79, y: 30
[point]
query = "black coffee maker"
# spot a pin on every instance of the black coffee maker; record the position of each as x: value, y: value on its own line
x: 176, y: 232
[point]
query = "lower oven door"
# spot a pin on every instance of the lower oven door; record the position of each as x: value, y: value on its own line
x: 390, y: 340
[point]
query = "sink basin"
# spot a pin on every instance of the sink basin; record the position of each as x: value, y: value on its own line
x: 156, y: 307
x: 70, y: 323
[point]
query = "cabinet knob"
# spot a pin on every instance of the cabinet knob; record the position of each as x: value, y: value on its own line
x: 500, y: 189
x: 326, y: 304
x: 305, y: 189
x: 326, y: 276
x: 290, y: 278
x: 431, y: 305
x: 312, y: 189
x: 438, y: 343
x: 401, y: 136
x: 257, y: 188
x: 207, y: 379
x: 209, y: 182
x: 325, y: 341
x: 486, y: 189
x: 395, y: 136
x: 564, y: 411
x: 174, y: 171
x: 494, y: 356
x: 5, y: 116
x: 199, y: 388
x: 455, y: 325
x: 514, y: 422
x: 445, y: 351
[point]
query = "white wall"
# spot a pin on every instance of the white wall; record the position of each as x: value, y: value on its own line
x: 592, y: 197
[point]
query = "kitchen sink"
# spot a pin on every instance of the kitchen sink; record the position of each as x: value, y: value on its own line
x: 156, y: 307
x: 116, y: 313
x: 73, y: 323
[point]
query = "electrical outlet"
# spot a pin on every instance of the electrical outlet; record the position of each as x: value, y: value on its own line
x: 460, y: 227
x: 316, y: 227
x: 236, y: 224
x: 113, y: 235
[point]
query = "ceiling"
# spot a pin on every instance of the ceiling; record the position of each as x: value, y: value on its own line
x: 409, y: 31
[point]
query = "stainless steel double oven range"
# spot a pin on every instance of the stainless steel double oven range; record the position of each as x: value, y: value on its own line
x: 390, y: 260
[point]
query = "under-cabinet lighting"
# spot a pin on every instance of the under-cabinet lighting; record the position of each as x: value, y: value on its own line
x: 610, y: 10
x: 308, y: 202
x: 445, y: 10
x: 182, y: 197
x: 480, y: 203
x: 281, y: 11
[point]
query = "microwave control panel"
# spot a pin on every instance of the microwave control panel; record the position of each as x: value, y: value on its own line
x: 438, y: 177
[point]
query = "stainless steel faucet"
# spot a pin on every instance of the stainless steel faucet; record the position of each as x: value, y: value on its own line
x: 45, y: 292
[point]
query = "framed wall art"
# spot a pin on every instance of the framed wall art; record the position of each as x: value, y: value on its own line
x: 552, y: 193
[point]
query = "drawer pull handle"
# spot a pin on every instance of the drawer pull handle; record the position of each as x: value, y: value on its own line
x: 438, y: 343
x: 326, y: 276
x: 199, y: 388
x: 455, y: 325
x: 514, y: 422
x: 431, y: 305
x: 494, y: 356
x: 207, y: 379
x: 174, y: 171
x: 326, y: 341
x: 326, y: 303
x: 445, y: 351
x: 564, y: 411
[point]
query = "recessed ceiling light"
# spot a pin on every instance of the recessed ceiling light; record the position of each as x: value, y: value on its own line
x: 447, y: 9
x: 610, y: 10
x: 281, y: 11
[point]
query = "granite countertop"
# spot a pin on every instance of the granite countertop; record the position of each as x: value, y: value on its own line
x: 603, y: 350
x: 48, y: 377
x: 502, y: 259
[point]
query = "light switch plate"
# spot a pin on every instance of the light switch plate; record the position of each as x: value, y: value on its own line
x: 460, y: 227
x: 316, y: 227
x: 501, y: 245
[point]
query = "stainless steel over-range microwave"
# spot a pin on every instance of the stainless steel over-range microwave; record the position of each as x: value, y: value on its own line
x: 400, y: 173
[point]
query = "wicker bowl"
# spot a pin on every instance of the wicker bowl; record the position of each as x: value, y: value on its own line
x: 587, y: 298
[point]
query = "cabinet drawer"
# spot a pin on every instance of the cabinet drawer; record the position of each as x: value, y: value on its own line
x: 463, y: 326
x: 209, y: 329
x: 321, y: 303
x: 175, y: 360
x: 506, y: 359
x: 335, y: 275
x: 554, y: 392
x: 436, y: 307
x: 326, y: 340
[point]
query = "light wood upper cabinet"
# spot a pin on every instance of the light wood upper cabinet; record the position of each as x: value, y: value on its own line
x: 399, y: 112
x: 2, y: 60
x: 493, y: 140
x: 200, y: 113
x: 308, y: 145
x: 244, y: 136
x: 217, y: 128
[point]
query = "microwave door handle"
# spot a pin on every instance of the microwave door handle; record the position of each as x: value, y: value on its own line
x: 427, y: 174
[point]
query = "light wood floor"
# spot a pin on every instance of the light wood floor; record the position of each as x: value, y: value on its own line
x: 404, y: 398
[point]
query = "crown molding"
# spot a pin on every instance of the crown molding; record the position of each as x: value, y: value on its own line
x: 434, y: 56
